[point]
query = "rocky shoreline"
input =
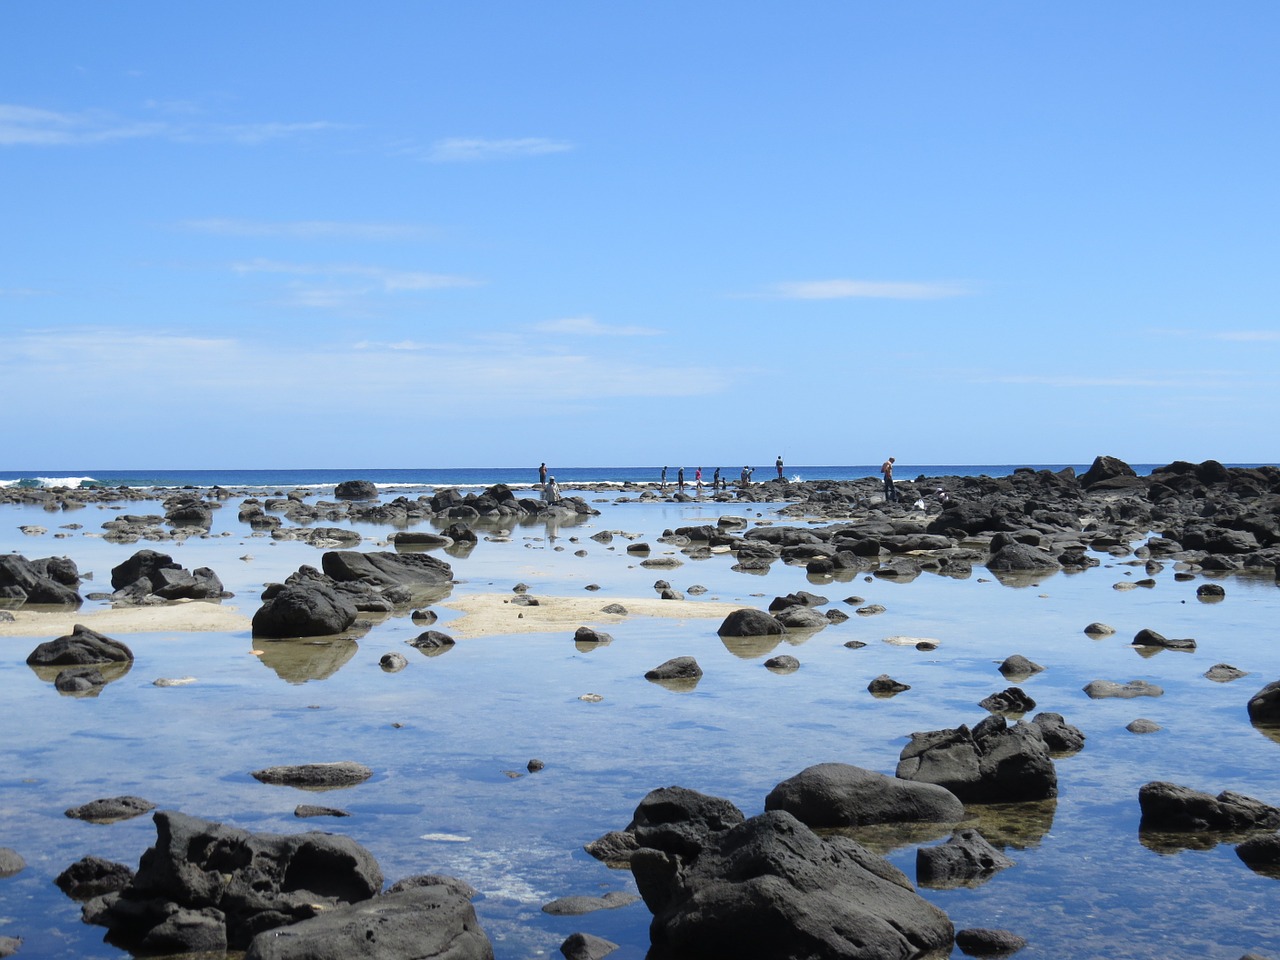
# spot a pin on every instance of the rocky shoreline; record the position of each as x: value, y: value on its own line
x: 717, y: 883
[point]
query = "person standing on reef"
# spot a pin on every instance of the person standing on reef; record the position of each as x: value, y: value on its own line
x: 779, y: 466
x: 542, y: 474
x: 746, y: 476
x: 890, y: 494
x: 680, y: 480
x: 715, y: 481
x: 663, y: 485
x: 551, y: 491
x: 697, y: 481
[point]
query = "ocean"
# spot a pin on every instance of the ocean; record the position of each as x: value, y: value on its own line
x: 480, y: 477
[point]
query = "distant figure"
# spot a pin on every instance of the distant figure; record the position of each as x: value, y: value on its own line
x: 697, y: 481
x: 663, y: 485
x: 715, y: 481
x: 746, y: 476
x: 551, y: 491
x: 542, y: 474
x: 779, y: 466
x: 890, y: 494
x: 680, y: 480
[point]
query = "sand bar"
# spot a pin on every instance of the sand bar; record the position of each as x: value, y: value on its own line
x: 192, y: 616
x: 484, y: 614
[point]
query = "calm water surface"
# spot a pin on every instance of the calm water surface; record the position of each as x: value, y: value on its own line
x: 446, y: 735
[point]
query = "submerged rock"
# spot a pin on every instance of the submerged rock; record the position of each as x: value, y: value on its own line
x: 966, y: 859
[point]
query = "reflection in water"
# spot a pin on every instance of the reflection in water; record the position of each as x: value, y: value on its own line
x: 1016, y: 825
x: 1270, y: 732
x: 678, y: 685
x: 1022, y: 578
x: 884, y: 838
x: 110, y: 671
x: 751, y: 648
x: 1169, y: 842
x: 297, y: 661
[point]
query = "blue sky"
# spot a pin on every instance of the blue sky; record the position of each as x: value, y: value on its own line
x: 428, y: 234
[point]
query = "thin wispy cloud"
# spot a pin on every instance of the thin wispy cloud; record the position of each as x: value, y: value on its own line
x: 591, y: 327
x: 386, y: 278
x: 35, y: 127
x: 470, y: 149
x: 1247, y: 336
x: 1202, y: 378
x: 865, y: 289
x: 304, y: 229
x: 237, y: 371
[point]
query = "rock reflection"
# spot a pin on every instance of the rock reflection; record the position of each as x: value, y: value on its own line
x: 1012, y: 825
x: 884, y: 838
x: 108, y: 672
x: 297, y: 661
x: 1269, y: 731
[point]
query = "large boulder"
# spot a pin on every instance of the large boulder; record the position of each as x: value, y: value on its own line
x: 144, y: 563
x: 1105, y: 468
x: 749, y: 622
x: 1173, y: 808
x: 842, y: 795
x: 205, y: 884
x: 992, y: 763
x: 80, y: 646
x: 769, y: 888
x: 52, y: 580
x: 305, y: 609
x: 356, y: 490
x: 386, y: 569
x: 1021, y: 558
x: 421, y: 921
x: 1264, y: 706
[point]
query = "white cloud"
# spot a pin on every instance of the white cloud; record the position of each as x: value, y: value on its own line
x: 32, y: 126
x: 378, y: 278
x: 246, y: 375
x: 874, y: 289
x: 1247, y: 336
x: 304, y: 229
x: 463, y: 149
x: 591, y: 327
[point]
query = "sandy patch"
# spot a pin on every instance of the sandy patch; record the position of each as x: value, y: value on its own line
x: 484, y: 614
x: 192, y: 616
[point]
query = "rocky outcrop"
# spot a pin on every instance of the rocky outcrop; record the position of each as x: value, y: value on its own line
x: 1172, y: 808
x: 1264, y: 706
x: 992, y: 763
x: 842, y: 795
x: 356, y: 490
x: 772, y: 889
x: 51, y: 580
x: 152, y: 577
x: 206, y: 886
x: 111, y: 809
x: 966, y: 859
x: 81, y: 646
x: 749, y: 622
x: 420, y: 921
x: 303, y: 609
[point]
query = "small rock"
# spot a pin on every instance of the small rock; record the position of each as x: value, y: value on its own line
x: 1210, y: 592
x: 1019, y: 666
x: 584, y: 946
x: 677, y: 668
x: 1099, y: 630
x: 979, y: 942
x: 533, y: 766
x: 1098, y: 689
x: 783, y: 664
x: 575, y: 906
x: 1143, y: 725
x: 111, y: 809
x: 885, y: 686
x: 307, y: 810
x: 1224, y: 673
x: 392, y: 662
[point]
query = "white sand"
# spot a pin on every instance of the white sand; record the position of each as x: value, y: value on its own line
x: 492, y: 613
x: 191, y: 616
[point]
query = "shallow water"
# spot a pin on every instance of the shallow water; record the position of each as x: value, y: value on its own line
x: 449, y: 737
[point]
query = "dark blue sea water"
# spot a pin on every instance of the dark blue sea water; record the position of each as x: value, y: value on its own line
x: 486, y: 476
